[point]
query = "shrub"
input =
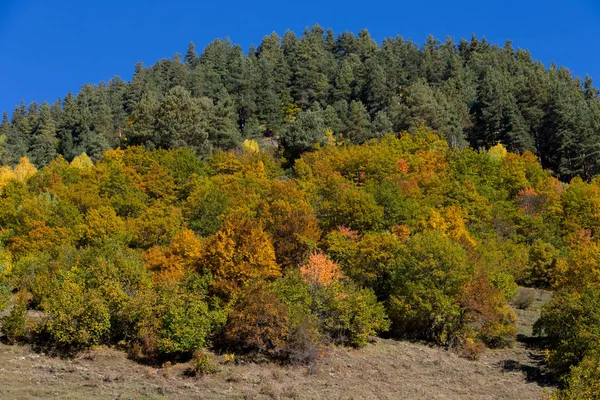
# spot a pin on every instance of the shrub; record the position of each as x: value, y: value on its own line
x: 4, y: 295
x: 427, y: 280
x: 77, y: 317
x: 304, y: 343
x: 571, y: 324
x: 257, y: 323
x: 239, y: 254
x: 173, y: 320
x: 204, y: 207
x: 524, y: 298
x: 583, y: 382
x: 5, y: 287
x: 202, y: 364
x: 318, y: 269
x: 470, y: 348
x: 305, y: 340
x: 349, y: 315
x: 13, y: 325
x: 186, y: 323
x: 323, y: 308
x: 542, y: 264
x: 487, y: 316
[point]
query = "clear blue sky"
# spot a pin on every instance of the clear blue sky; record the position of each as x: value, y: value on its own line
x: 51, y: 47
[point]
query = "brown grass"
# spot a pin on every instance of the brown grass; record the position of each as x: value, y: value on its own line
x: 385, y: 369
x: 525, y: 298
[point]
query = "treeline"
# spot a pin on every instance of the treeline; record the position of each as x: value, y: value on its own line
x: 306, y: 89
x: 162, y: 254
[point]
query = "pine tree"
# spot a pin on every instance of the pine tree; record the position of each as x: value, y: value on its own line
x: 220, y: 125
x: 359, y: 123
x: 4, y: 132
x: 332, y: 120
x: 376, y: 92
x: 179, y: 123
x: 344, y: 81
x: 43, y: 143
x: 141, y: 122
x: 382, y: 124
x: 191, y: 58
x: 304, y: 134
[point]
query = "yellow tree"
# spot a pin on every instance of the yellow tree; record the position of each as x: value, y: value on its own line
x: 240, y: 253
x: 172, y: 263
x: 24, y: 170
x: 103, y: 223
x: 291, y: 221
x: 82, y: 161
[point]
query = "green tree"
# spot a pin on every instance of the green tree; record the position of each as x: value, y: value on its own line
x: 359, y: 123
x: 43, y: 142
x: 304, y: 134
x: 180, y: 122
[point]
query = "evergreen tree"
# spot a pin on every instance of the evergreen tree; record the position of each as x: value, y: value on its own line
x: 376, y: 92
x: 180, y: 123
x: 43, y: 142
x: 382, y: 124
x: 4, y: 133
x: 473, y: 92
x: 220, y: 125
x: 141, y: 122
x: 304, y: 134
x: 191, y: 58
x: 359, y: 123
x: 344, y: 81
x: 332, y: 120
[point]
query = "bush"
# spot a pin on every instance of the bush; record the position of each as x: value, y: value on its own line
x: 257, y: 323
x: 172, y: 321
x: 487, y: 316
x: 427, y: 280
x: 470, y: 348
x: 5, y: 287
x: 571, y: 324
x: 542, y: 264
x: 186, y: 323
x: 524, y: 298
x: 304, y: 344
x: 77, y: 317
x: 202, y: 364
x: 305, y: 340
x: 13, y: 325
x: 239, y: 254
x: 583, y: 382
x: 350, y: 314
x: 4, y: 295
x: 337, y: 310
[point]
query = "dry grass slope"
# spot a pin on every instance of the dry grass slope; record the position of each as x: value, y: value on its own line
x: 385, y: 369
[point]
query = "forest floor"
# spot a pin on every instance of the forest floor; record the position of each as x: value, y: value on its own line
x: 385, y: 369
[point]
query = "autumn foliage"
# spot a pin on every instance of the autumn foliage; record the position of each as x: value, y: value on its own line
x: 163, y: 253
x: 320, y: 270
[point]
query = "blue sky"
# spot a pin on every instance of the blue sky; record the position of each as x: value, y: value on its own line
x: 49, y: 48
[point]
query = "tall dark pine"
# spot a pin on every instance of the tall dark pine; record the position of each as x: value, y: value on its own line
x: 16, y: 142
x: 43, y: 142
x: 180, y: 122
x: 191, y: 58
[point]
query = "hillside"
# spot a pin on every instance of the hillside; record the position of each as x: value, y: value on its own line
x: 321, y: 216
x: 384, y: 369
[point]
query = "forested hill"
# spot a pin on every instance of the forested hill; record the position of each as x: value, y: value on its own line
x: 305, y: 89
